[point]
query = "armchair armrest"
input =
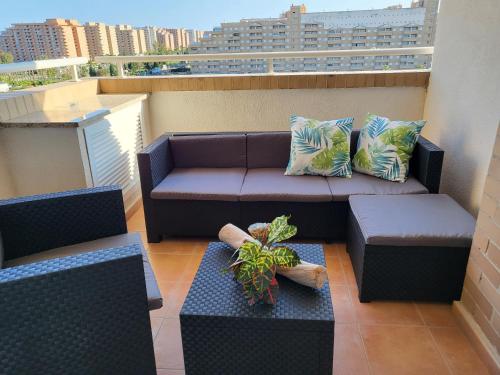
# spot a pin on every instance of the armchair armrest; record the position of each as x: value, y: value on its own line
x: 426, y: 164
x: 155, y: 163
x: 87, y: 313
x: 41, y: 222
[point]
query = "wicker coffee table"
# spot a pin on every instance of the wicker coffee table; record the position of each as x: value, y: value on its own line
x: 222, y: 334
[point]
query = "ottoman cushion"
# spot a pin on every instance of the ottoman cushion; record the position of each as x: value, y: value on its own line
x: 412, y: 220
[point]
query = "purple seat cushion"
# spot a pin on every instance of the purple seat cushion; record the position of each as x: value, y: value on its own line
x: 206, y: 184
x: 268, y: 150
x: 412, y: 220
x: 270, y: 184
x: 362, y: 184
x: 209, y: 151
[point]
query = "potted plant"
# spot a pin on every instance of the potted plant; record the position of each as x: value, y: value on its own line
x: 257, y: 260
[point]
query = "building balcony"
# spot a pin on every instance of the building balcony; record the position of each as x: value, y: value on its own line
x: 87, y: 133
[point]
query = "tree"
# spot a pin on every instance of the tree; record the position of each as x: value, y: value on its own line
x: 6, y: 57
x: 113, y: 70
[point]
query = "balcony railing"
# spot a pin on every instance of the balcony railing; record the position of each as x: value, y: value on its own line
x: 31, y: 68
x: 269, y: 57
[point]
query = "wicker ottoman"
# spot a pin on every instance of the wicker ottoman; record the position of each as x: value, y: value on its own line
x: 409, y: 247
x: 222, y: 334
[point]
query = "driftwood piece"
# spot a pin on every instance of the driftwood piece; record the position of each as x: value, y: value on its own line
x: 305, y: 273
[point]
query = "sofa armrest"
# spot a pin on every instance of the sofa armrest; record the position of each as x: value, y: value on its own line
x: 42, y: 222
x: 155, y: 163
x: 87, y: 313
x: 426, y: 164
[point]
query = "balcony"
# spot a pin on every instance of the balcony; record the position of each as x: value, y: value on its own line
x: 86, y: 133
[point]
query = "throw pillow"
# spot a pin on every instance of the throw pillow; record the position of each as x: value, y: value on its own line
x: 320, y: 147
x: 385, y: 147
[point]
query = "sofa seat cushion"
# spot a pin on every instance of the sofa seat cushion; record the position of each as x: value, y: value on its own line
x: 412, y: 220
x: 206, y: 184
x: 153, y: 292
x: 362, y: 184
x: 271, y: 184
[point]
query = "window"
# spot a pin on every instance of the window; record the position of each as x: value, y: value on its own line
x: 310, y: 32
x: 383, y: 44
x: 359, y: 44
x: 410, y: 35
x: 236, y: 34
x: 256, y: 27
x: 334, y: 38
x: 310, y: 25
x: 386, y: 29
x: 255, y: 34
x: 384, y: 36
x: 410, y: 28
x: 311, y: 39
x: 359, y: 37
x: 408, y: 43
x: 279, y: 27
x: 279, y: 47
x: 255, y: 40
x: 359, y: 30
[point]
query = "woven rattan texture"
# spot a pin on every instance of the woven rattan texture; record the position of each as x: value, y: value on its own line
x: 37, y: 223
x: 216, y: 294
x: 388, y: 272
x: 84, y: 314
x: 221, y: 334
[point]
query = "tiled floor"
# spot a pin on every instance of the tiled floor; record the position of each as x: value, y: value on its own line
x: 372, y: 338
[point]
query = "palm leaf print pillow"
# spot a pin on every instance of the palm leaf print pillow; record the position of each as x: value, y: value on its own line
x: 385, y: 147
x: 320, y: 147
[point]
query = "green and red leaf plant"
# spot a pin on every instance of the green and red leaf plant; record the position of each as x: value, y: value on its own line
x: 257, y: 260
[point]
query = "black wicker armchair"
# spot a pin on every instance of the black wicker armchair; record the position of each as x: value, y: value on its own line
x: 79, y: 314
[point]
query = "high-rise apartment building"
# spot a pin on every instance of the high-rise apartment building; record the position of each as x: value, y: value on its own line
x: 53, y: 38
x: 150, y: 34
x: 165, y: 39
x: 181, y: 38
x: 297, y: 30
x: 131, y: 41
x: 101, y: 39
x: 194, y: 35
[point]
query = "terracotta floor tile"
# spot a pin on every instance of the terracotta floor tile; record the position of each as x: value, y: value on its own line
x: 381, y: 312
x: 437, y: 314
x: 179, y: 246
x: 168, y: 345
x: 136, y: 222
x: 174, y: 295
x: 458, y: 352
x: 164, y: 371
x: 342, y: 305
x: 333, y: 249
x: 335, y: 271
x: 172, y: 267
x: 348, y: 271
x: 155, y: 325
x: 349, y: 356
x: 401, y: 350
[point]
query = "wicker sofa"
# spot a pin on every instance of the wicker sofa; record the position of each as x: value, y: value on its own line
x: 75, y: 287
x: 194, y: 184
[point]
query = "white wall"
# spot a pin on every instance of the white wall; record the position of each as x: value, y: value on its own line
x: 256, y: 110
x: 463, y: 100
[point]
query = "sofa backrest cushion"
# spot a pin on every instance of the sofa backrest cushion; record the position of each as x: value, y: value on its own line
x: 209, y: 151
x: 268, y: 150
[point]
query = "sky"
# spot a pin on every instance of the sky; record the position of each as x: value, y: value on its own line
x: 191, y: 14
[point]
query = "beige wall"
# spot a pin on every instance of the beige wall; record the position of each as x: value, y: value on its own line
x: 43, y: 160
x: 7, y: 189
x: 463, y: 100
x: 481, y: 295
x: 205, y: 111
